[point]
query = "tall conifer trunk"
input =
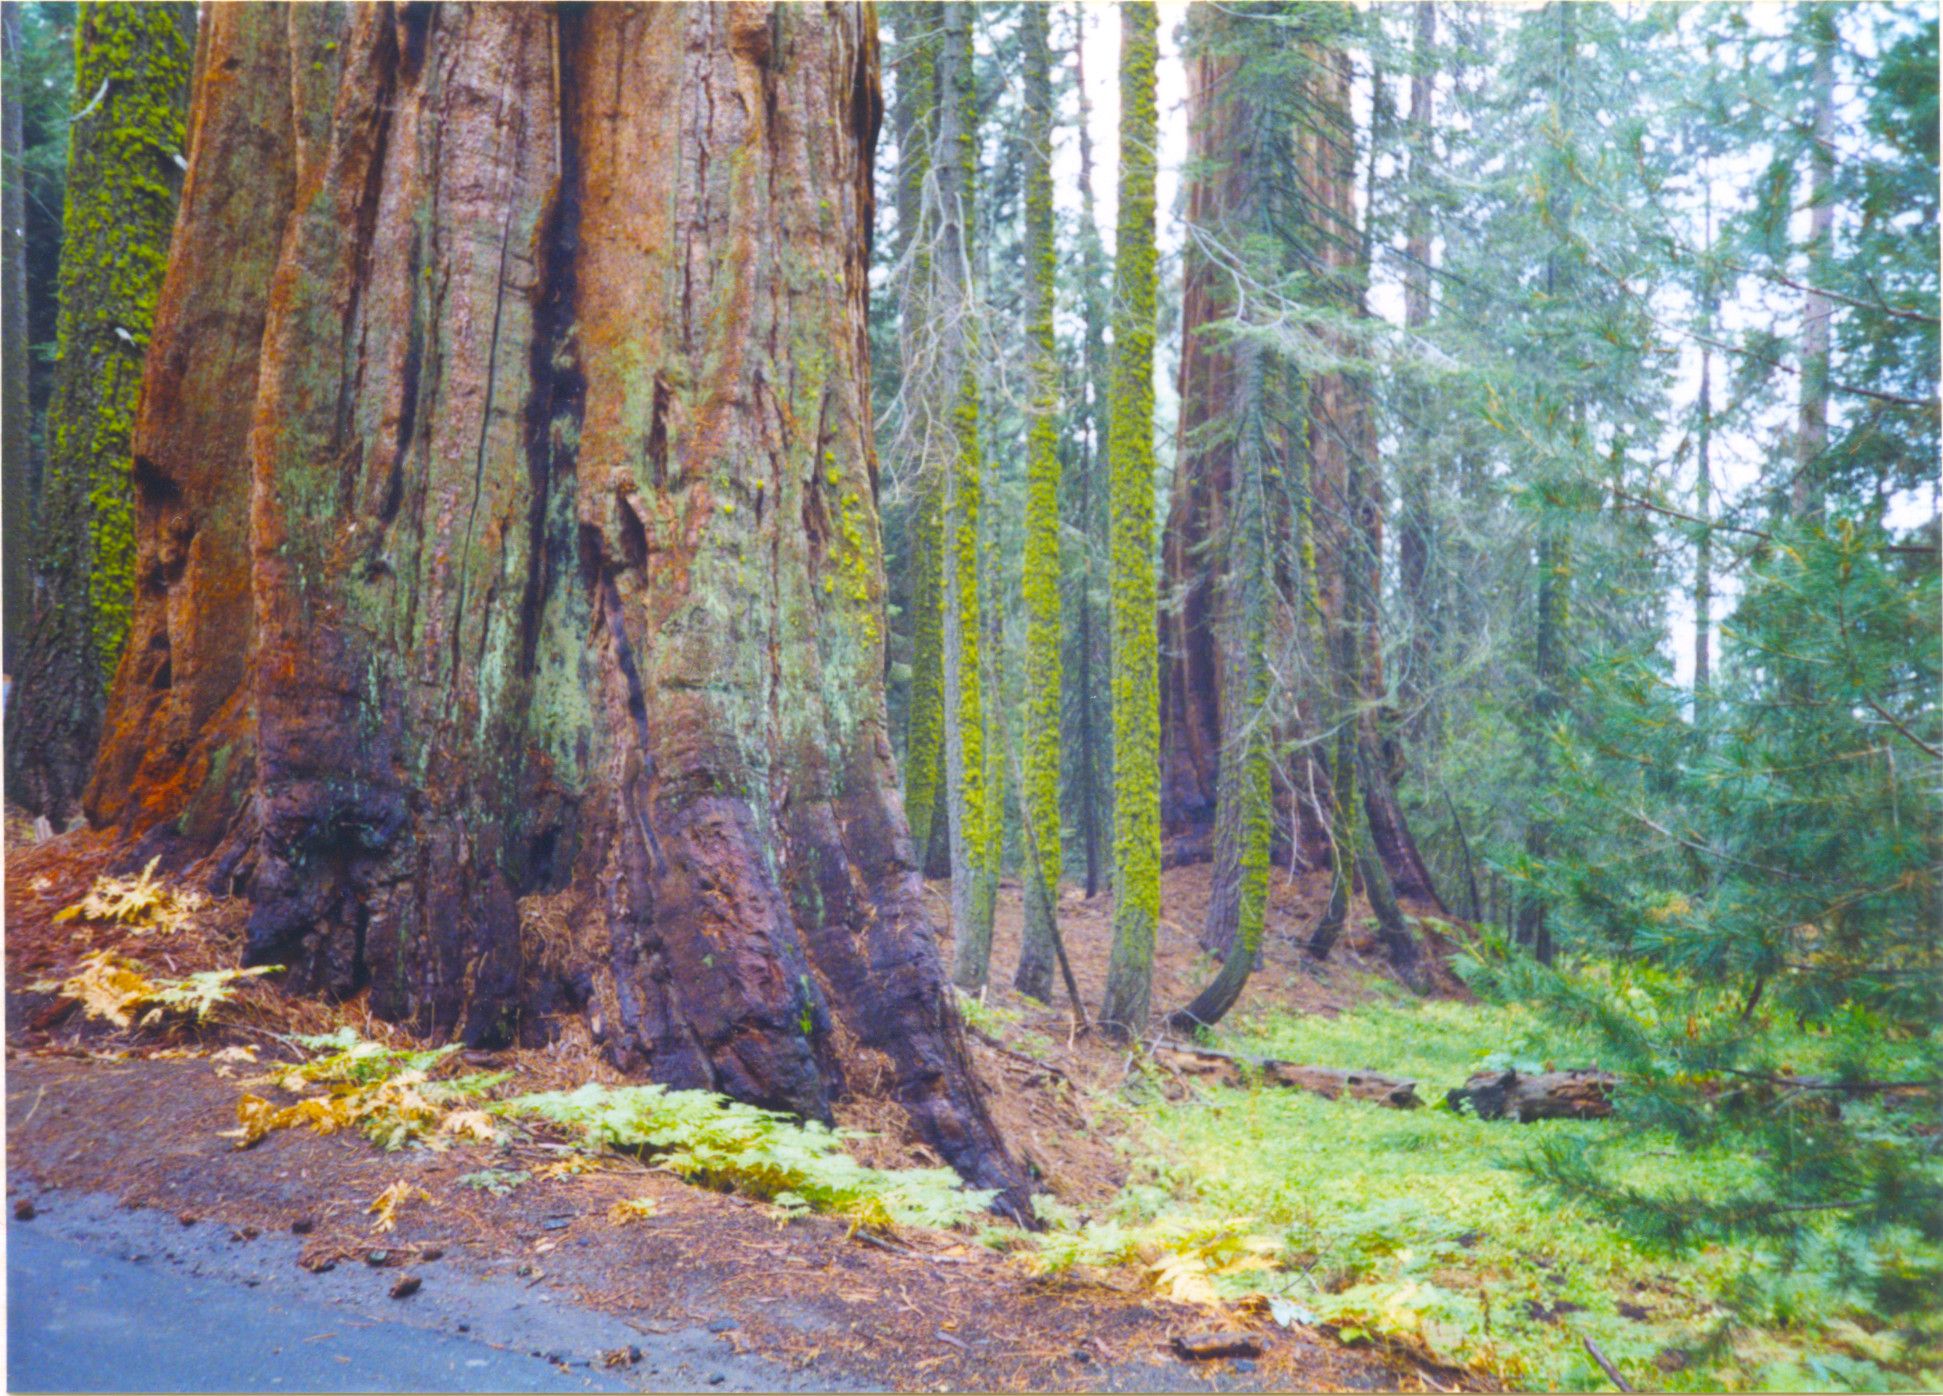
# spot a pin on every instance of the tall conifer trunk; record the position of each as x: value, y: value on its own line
x: 1039, y: 796
x: 917, y: 114
x: 974, y: 832
x: 16, y: 478
x: 555, y: 524
x: 1136, y: 677
x: 1191, y: 664
x: 1415, y: 533
x: 131, y: 78
x: 1093, y: 720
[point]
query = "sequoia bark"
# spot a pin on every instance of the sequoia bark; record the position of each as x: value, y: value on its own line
x: 555, y: 524
x: 1191, y: 663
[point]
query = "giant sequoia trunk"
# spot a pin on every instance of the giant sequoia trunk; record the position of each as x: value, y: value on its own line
x: 1345, y: 509
x: 1191, y: 663
x: 520, y: 648
x: 1347, y: 501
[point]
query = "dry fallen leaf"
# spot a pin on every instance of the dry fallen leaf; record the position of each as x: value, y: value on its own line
x: 471, y: 1124
x: 631, y: 1209
x: 142, y: 902
x: 386, y: 1204
x: 572, y: 1166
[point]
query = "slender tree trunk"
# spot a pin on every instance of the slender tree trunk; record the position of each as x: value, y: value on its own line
x: 16, y: 471
x: 1238, y: 896
x: 1039, y: 799
x: 917, y: 105
x: 1095, y: 761
x: 1554, y: 552
x: 1703, y: 568
x: 1136, y: 679
x: 1817, y: 311
x: 974, y: 860
x: 1415, y: 536
x: 131, y: 74
x: 556, y: 525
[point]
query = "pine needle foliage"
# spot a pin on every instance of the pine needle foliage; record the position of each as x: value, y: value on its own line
x: 1785, y: 871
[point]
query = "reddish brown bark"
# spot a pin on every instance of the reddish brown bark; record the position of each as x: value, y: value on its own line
x: 547, y: 576
x: 1190, y: 715
x: 1344, y: 467
x: 1347, y: 508
x: 178, y: 743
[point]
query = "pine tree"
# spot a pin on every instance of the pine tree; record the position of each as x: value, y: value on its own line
x: 974, y: 842
x: 1039, y: 799
x: 1244, y: 810
x: 1811, y: 433
x: 1090, y: 761
x: 1136, y: 680
x: 918, y: 361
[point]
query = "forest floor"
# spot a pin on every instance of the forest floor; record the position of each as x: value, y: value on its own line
x: 1414, y: 1250
x: 99, y: 1116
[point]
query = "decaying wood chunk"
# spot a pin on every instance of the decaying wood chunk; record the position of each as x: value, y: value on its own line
x: 1209, y: 1347
x: 1581, y: 1094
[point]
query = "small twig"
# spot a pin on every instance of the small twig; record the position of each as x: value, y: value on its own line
x: 871, y: 1239
x: 1896, y: 723
x: 1605, y: 1364
x: 95, y: 101
x: 999, y: 1046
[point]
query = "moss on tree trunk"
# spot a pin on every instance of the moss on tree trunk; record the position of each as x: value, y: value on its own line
x: 1135, y: 678
x: 1039, y: 800
x: 974, y: 835
x: 131, y: 82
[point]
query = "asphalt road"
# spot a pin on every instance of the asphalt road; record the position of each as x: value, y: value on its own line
x: 104, y: 1299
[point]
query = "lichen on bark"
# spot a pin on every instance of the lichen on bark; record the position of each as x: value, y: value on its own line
x: 1135, y: 673
x: 1039, y: 799
x: 974, y: 851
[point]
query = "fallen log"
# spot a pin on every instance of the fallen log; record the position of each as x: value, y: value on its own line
x: 1550, y: 1095
x: 1228, y: 1069
x: 1210, y: 1347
